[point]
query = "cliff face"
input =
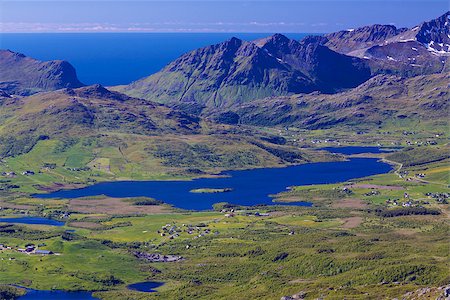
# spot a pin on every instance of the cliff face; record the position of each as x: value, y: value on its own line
x: 23, y: 75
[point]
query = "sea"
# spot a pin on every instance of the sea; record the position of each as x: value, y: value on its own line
x: 117, y: 58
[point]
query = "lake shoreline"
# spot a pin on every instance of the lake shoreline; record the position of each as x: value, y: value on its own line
x: 249, y: 187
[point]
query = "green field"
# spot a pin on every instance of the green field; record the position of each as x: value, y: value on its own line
x: 354, y: 242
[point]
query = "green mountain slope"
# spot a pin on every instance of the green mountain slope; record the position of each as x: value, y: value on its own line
x: 381, y: 101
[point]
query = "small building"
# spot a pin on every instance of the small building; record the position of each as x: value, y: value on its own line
x: 43, y: 252
x: 30, y: 248
x: 27, y: 173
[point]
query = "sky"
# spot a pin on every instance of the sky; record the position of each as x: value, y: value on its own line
x: 311, y: 16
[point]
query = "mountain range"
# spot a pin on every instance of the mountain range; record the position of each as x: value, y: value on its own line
x: 236, y: 71
x: 367, y: 77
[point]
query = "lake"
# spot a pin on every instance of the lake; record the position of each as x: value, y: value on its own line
x: 349, y: 150
x: 116, y: 58
x: 146, y: 287
x: 248, y: 187
x: 32, y: 220
x: 56, y: 295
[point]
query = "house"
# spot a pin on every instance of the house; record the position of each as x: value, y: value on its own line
x: 29, y: 248
x: 43, y: 252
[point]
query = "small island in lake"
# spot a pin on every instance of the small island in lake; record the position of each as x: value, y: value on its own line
x: 211, y: 190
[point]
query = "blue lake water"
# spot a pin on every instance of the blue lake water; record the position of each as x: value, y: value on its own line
x: 32, y: 220
x: 250, y: 187
x: 116, y: 58
x: 147, y: 286
x: 56, y: 295
x: 358, y: 150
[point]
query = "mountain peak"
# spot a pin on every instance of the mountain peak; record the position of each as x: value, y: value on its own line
x: 276, y: 39
x: 232, y: 43
x: 435, y: 34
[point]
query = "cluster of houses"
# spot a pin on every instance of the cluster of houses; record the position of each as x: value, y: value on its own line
x: 420, y: 143
x: 13, y: 174
x: 409, y: 203
x: 28, y: 173
x: 156, y: 257
x: 9, y: 174
x: 173, y: 231
x: 79, y: 169
x: 439, y: 197
x: 231, y: 213
x: 29, y: 249
x: 372, y: 193
x: 326, y: 141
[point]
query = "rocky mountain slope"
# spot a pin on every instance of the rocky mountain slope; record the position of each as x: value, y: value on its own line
x: 24, y: 75
x: 423, y: 49
x: 347, y: 41
x: 381, y: 101
x: 237, y: 71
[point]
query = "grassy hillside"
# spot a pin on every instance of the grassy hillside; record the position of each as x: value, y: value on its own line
x: 383, y: 102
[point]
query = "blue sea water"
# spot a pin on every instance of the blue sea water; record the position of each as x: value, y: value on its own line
x: 116, y: 58
x: 249, y: 187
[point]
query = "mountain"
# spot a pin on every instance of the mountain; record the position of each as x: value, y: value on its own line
x: 379, y: 102
x: 84, y: 111
x: 347, y: 41
x: 423, y: 49
x: 133, y: 133
x: 24, y: 75
x: 238, y: 71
